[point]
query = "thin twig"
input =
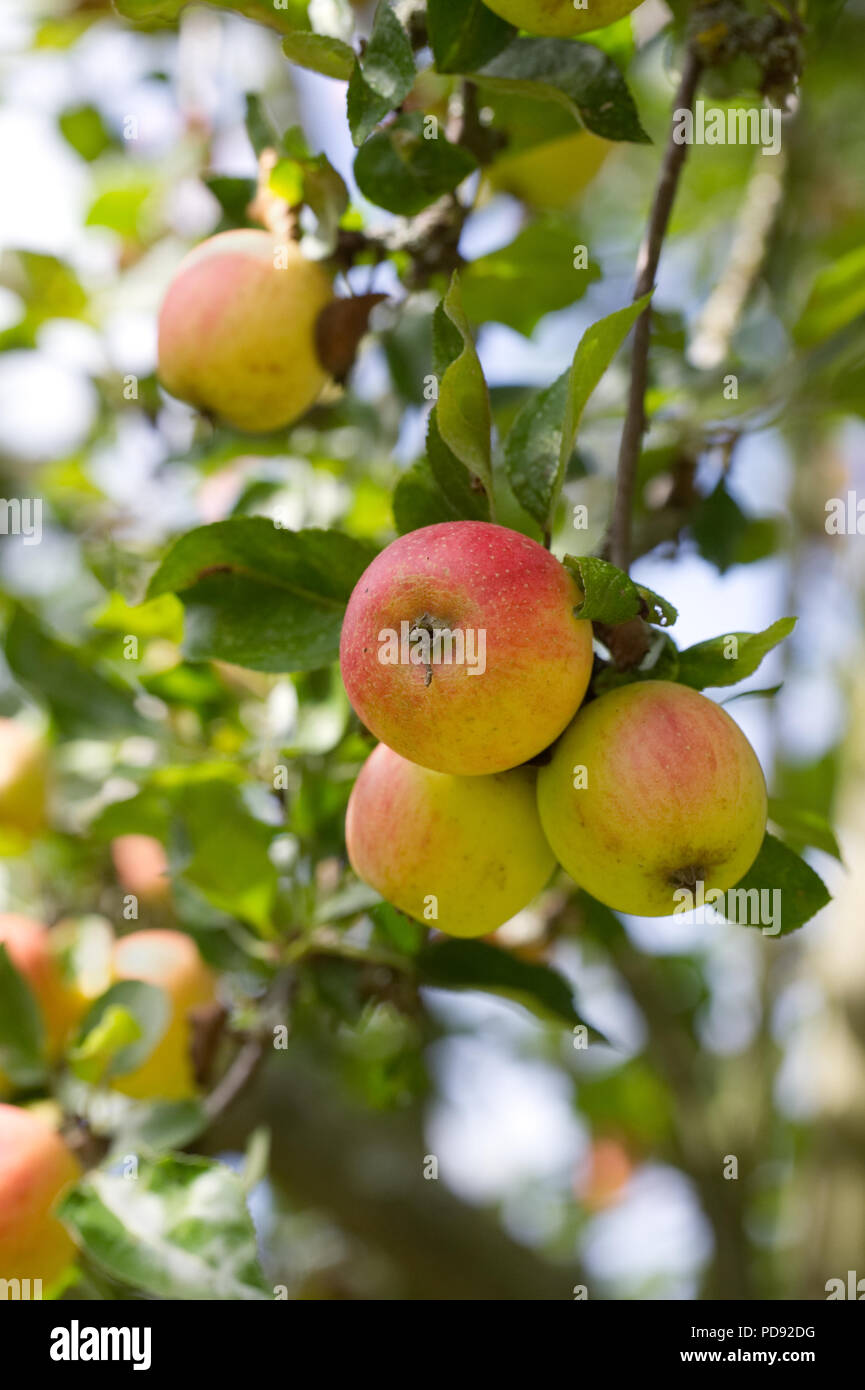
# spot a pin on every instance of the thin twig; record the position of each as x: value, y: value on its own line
x: 236, y: 1079
x: 647, y: 268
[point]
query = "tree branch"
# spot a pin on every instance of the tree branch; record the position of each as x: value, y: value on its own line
x: 647, y: 267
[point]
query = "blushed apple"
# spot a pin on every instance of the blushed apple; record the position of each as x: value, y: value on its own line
x: 461, y: 650
x: 170, y: 960
x: 461, y: 854
x: 141, y: 865
x: 35, y: 1168
x: 652, y: 790
x: 237, y: 330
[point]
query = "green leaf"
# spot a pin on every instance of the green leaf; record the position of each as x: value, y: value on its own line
x: 179, y: 1230
x: 461, y: 489
x: 105, y: 1046
x: 154, y: 1127
x: 836, y: 299
x: 465, y: 34
x: 117, y: 1029
x: 777, y: 867
x: 397, y: 929
x: 80, y: 699
x: 224, y: 852
x: 463, y: 413
x: 611, y: 596
x: 728, y: 659
x: 84, y: 129
x: 595, y: 351
x: 262, y: 132
x: 402, y: 171
x: 717, y: 527
x: 383, y: 78
x: 725, y: 536
x: 576, y: 75
x: 260, y: 596
x: 533, y: 276
x: 234, y: 196
x: 419, y: 501
x: 803, y: 827
x: 533, y: 447
x: 320, y: 52
x: 767, y: 694
x: 22, y: 1041
x: 121, y: 209
x: 478, y: 965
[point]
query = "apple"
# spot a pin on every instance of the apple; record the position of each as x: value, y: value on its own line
x: 502, y: 608
x: 551, y: 174
x: 141, y: 865
x: 30, y: 949
x: 237, y: 330
x: 653, y: 789
x: 461, y: 854
x: 23, y: 784
x: 35, y: 1168
x: 602, y: 1180
x: 561, y: 18
x: 170, y: 960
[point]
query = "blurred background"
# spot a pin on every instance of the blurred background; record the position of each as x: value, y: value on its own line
x: 121, y: 144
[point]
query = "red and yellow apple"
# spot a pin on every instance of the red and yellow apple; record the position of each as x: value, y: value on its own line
x: 561, y: 18
x: 141, y: 865
x: 461, y: 854
x: 237, y: 330
x: 601, y: 1181
x: 23, y: 784
x: 35, y: 1168
x: 170, y: 960
x: 485, y: 594
x: 651, y: 790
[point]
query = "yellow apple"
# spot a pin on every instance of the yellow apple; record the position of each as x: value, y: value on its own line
x: 561, y: 18
x: 23, y: 785
x: 461, y: 854
x: 237, y: 330
x: 653, y: 789
x: 170, y: 960
x: 35, y: 1168
x: 552, y: 174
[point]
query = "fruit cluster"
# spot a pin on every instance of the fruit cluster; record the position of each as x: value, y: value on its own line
x: 462, y: 652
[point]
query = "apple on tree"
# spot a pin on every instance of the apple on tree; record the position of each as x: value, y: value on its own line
x: 509, y: 606
x: 653, y: 789
x: 561, y: 18
x: 237, y: 329
x: 141, y: 865
x: 462, y: 854
x: 36, y: 1167
x: 23, y: 785
x: 171, y: 961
